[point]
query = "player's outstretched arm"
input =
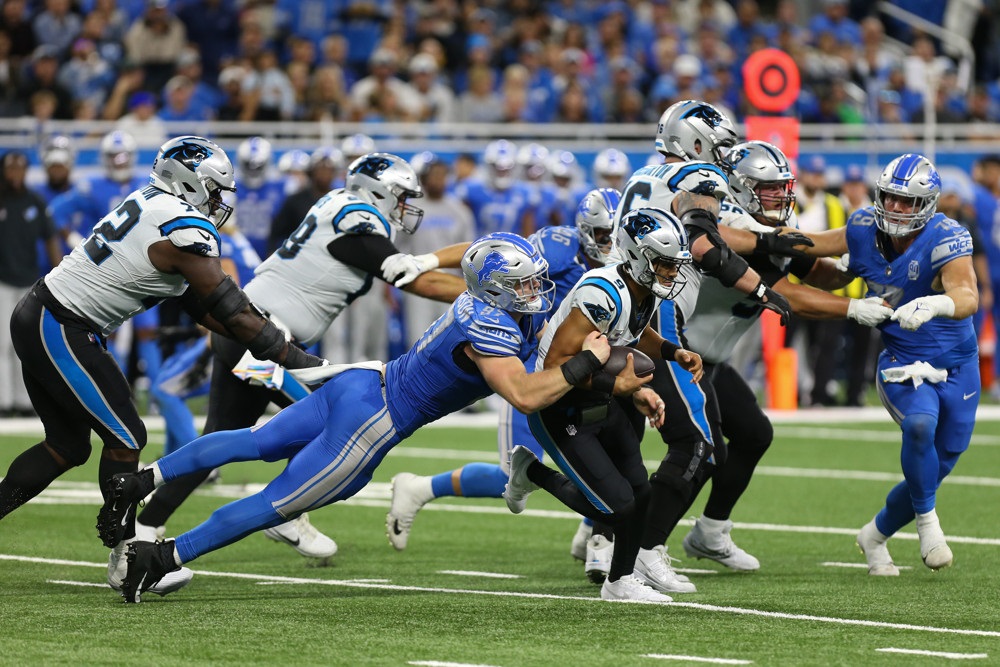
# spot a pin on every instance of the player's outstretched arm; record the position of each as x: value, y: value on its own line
x: 960, y: 299
x: 815, y: 304
x: 436, y: 285
x: 530, y: 392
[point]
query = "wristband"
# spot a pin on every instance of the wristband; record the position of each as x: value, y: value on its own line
x: 577, y: 369
x: 668, y: 350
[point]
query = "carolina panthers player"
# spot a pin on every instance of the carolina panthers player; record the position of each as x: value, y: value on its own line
x: 336, y: 437
x: 161, y: 241
x: 499, y: 202
x: 919, y: 261
x: 344, y: 243
x: 593, y: 434
x: 569, y: 252
x: 260, y: 196
x: 763, y: 184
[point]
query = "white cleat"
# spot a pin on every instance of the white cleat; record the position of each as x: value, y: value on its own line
x: 934, y: 550
x: 701, y: 543
x: 302, y: 536
x: 873, y: 545
x: 578, y: 547
x: 518, y: 486
x: 406, y: 502
x: 630, y: 589
x: 118, y: 568
x: 652, y: 567
x: 599, y: 552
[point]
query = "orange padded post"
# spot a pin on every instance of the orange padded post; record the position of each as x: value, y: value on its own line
x: 782, y: 364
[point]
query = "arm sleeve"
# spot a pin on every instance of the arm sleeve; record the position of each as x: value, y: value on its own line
x: 362, y: 251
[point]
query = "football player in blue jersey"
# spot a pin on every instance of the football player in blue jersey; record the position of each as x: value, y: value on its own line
x: 919, y: 261
x: 570, y: 252
x: 499, y: 202
x: 260, y: 195
x: 336, y: 437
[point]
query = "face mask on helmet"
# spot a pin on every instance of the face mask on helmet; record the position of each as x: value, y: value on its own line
x: 387, y: 181
x: 197, y: 171
x: 694, y: 130
x: 595, y: 223
x: 762, y: 181
x: 906, y: 195
x: 118, y: 150
x: 509, y: 273
x: 611, y: 169
x: 654, y: 247
x: 500, y: 158
x: 254, y: 158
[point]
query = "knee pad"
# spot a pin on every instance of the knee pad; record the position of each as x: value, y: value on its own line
x: 687, y: 463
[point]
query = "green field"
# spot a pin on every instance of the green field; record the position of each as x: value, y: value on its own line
x: 258, y: 602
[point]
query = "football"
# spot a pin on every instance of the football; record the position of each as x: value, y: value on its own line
x: 619, y: 357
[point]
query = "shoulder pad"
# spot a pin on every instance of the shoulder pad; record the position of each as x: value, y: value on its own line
x: 354, y: 216
x: 491, y: 331
x: 954, y: 243
x: 599, y: 300
x: 194, y: 235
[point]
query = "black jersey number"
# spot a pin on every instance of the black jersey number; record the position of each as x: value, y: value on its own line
x: 640, y: 189
x: 96, y: 246
x: 293, y: 244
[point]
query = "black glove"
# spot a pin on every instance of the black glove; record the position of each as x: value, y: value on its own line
x: 782, y: 244
x: 771, y: 300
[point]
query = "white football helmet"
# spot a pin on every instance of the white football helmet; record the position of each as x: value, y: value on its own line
x: 355, y: 146
x: 762, y: 181
x: 118, y: 151
x: 532, y: 158
x: 695, y: 130
x: 651, y: 236
x: 595, y: 227
x: 611, y: 169
x: 387, y: 181
x: 58, y: 149
x: 500, y: 158
x: 293, y: 160
x: 509, y: 273
x: 253, y: 159
x: 564, y: 166
x: 911, y: 177
x: 199, y: 172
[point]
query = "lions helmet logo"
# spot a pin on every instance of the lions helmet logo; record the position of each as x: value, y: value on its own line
x: 372, y: 166
x: 492, y: 263
x: 705, y: 113
x: 188, y: 154
x: 641, y: 224
x: 597, y: 313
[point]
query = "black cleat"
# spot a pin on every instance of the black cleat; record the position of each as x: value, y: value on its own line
x: 148, y: 563
x: 124, y: 491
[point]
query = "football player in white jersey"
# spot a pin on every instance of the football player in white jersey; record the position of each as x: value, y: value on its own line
x: 763, y: 184
x: 593, y: 433
x: 161, y: 241
x: 345, y: 243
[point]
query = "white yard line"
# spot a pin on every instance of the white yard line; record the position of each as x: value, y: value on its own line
x: 863, y: 566
x: 86, y: 584
x: 487, y: 575
x: 936, y: 654
x: 536, y: 596
x: 694, y: 658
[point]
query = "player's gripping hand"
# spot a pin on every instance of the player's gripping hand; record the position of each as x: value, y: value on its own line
x: 691, y: 362
x: 869, y: 312
x: 597, y: 343
x: 649, y: 403
x: 402, y: 268
x: 782, y: 241
x: 911, y: 316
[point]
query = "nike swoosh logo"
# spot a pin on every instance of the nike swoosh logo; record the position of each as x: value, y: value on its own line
x: 395, y: 527
x: 966, y: 397
x: 124, y: 519
x: 205, y: 236
x: 365, y: 216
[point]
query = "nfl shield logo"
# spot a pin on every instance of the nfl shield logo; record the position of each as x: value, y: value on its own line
x: 914, y: 271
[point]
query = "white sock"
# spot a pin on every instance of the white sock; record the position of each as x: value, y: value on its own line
x: 928, y: 519
x: 424, y: 489
x: 877, y: 534
x: 177, y: 556
x: 712, y: 526
x: 158, y: 480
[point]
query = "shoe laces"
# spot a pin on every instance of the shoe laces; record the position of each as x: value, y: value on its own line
x: 661, y: 566
x: 305, y: 527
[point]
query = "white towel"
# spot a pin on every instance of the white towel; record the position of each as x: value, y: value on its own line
x: 318, y: 374
x: 918, y: 372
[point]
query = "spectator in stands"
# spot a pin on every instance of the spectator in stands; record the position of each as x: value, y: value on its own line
x: 437, y: 100
x: 87, y: 76
x: 620, y: 89
x: 924, y: 65
x: 142, y: 122
x: 179, y: 102
x: 982, y: 108
x: 10, y: 103
x: 334, y: 52
x: 835, y: 21
x: 326, y: 98
x: 43, y: 76
x: 694, y: 13
x: 205, y: 98
x: 56, y: 25
x: 213, y: 27
x: 480, y: 103
x: 155, y: 42
x: 14, y: 21
x: 383, y: 66
x: 234, y: 105
x: 114, y: 20
x: 267, y: 90
x: 748, y: 25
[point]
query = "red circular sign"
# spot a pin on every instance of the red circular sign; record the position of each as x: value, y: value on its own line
x: 771, y: 80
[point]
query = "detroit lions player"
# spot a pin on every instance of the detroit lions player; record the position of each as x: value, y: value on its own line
x: 260, y: 196
x: 161, y: 241
x: 499, y: 202
x: 332, y: 258
x: 593, y: 433
x: 336, y: 437
x: 763, y: 184
x: 569, y: 252
x: 928, y: 375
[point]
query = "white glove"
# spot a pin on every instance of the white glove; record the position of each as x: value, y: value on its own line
x: 868, y: 312
x: 402, y: 268
x: 921, y: 310
x: 844, y: 264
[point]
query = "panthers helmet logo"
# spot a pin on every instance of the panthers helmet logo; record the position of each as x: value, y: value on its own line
x: 492, y: 263
x: 373, y: 166
x: 187, y: 154
x: 734, y: 157
x: 706, y: 188
x: 641, y: 224
x: 597, y: 312
x: 705, y: 113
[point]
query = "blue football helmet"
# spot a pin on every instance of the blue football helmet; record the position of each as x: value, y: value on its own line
x: 509, y: 273
x: 913, y: 178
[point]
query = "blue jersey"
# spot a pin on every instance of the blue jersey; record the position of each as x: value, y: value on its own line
x: 436, y: 378
x: 236, y: 247
x: 941, y: 342
x: 82, y: 207
x: 255, y: 209
x: 495, y: 210
x: 560, y: 247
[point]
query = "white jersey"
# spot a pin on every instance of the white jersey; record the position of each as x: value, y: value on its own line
x: 301, y: 283
x: 602, y: 296
x: 108, y: 278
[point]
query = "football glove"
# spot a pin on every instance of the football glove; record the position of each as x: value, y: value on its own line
x: 869, y: 312
x: 911, y: 316
x: 768, y: 298
x: 782, y: 244
x: 402, y: 268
